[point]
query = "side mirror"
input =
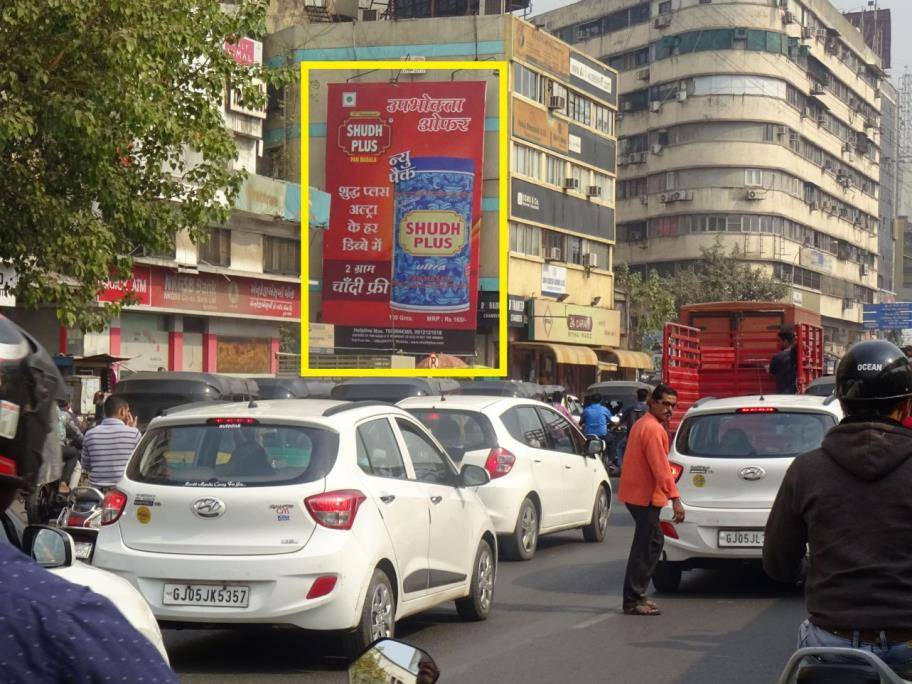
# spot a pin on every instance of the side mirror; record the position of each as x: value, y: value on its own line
x: 388, y: 660
x: 51, y: 547
x: 474, y: 476
x: 594, y: 446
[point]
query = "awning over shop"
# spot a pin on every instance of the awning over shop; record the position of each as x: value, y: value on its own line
x: 607, y: 367
x: 628, y: 359
x: 564, y: 353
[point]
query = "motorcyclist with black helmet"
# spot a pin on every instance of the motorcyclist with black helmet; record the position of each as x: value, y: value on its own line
x: 53, y: 630
x: 848, y: 506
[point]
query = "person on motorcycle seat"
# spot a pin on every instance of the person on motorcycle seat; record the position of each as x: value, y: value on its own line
x: 54, y: 630
x: 846, y: 508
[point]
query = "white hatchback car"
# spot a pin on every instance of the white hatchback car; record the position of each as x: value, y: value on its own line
x: 323, y: 515
x: 729, y: 457
x: 544, y: 478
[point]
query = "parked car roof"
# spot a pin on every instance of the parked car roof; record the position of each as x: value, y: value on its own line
x: 392, y: 389
x: 293, y: 388
x: 618, y: 384
x: 177, y: 382
x: 779, y: 401
x: 503, y: 388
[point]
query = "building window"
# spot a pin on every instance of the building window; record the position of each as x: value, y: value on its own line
x: 281, y: 256
x: 527, y: 83
x: 217, y: 250
x: 555, y: 172
x: 579, y: 108
x: 525, y: 239
x: 665, y: 7
x: 551, y: 241
x: 753, y: 178
x: 604, y: 119
x: 574, y: 250
x: 600, y: 250
x: 527, y: 161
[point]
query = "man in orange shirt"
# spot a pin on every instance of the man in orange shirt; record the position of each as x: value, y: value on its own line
x: 647, y: 484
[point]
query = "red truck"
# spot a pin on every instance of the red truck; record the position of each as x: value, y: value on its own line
x: 723, y: 349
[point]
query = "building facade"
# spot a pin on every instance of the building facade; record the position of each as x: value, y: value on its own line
x: 562, y: 318
x: 752, y: 122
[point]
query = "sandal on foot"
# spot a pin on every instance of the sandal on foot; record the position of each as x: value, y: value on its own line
x: 642, y: 609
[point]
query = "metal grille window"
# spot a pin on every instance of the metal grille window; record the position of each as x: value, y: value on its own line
x: 217, y: 250
x: 281, y: 255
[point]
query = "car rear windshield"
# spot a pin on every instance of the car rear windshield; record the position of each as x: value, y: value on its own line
x: 233, y: 455
x: 458, y: 431
x: 752, y: 435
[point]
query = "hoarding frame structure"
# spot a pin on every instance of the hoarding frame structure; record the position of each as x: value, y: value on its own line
x: 503, y: 72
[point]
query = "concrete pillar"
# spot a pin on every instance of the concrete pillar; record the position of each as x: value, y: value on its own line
x: 210, y: 348
x: 176, y: 343
x: 274, y: 347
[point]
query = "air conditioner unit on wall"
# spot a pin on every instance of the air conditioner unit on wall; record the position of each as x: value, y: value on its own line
x: 788, y: 18
x: 681, y: 95
x: 656, y: 148
x: 644, y: 199
x: 662, y: 21
x: 557, y: 102
x: 553, y: 254
x: 642, y: 75
x: 655, y: 105
x: 593, y: 191
x: 755, y: 194
x: 571, y: 184
x: 590, y: 260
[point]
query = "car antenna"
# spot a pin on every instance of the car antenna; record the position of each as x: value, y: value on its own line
x: 252, y: 404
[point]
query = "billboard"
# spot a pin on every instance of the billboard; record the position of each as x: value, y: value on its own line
x: 400, y: 259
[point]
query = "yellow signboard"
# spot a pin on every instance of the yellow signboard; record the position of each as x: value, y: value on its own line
x: 540, y: 48
x: 557, y: 322
x: 533, y: 124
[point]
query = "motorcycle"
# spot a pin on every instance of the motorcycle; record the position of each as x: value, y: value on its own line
x: 388, y: 660
x: 81, y: 518
x: 871, y: 669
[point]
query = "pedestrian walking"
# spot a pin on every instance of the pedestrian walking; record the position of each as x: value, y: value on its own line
x: 647, y: 485
x: 107, y: 447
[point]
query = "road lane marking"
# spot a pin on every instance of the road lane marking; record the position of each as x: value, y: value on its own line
x: 596, y: 619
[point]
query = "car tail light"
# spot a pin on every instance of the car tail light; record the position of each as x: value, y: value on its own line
x: 668, y: 529
x: 322, y: 586
x: 336, y: 510
x: 499, y: 463
x: 677, y: 470
x: 758, y: 409
x: 433, y: 416
x: 112, y: 506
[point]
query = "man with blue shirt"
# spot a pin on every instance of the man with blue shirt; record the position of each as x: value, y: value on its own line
x: 54, y: 630
x: 595, y: 418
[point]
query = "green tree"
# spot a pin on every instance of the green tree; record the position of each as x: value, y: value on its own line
x: 100, y: 102
x: 367, y: 669
x: 722, y: 276
x: 650, y: 304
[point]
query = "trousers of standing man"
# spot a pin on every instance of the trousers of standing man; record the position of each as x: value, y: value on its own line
x: 645, y: 551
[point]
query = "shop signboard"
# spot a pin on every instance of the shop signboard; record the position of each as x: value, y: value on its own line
x: 569, y: 323
x: 161, y: 288
x: 540, y: 48
x: 553, y: 280
x: 517, y: 312
x: 400, y: 259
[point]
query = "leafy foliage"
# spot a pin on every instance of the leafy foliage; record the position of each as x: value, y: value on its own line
x: 100, y: 101
x: 718, y: 277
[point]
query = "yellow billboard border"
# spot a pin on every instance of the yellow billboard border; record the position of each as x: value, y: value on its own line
x: 503, y: 71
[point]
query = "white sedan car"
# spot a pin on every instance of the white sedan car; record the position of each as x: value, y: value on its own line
x: 730, y: 456
x: 545, y: 476
x: 323, y: 515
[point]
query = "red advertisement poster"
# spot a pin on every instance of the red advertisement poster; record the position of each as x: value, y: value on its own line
x: 404, y: 168
x: 207, y: 293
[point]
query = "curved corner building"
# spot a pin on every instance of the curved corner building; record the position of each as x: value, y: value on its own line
x: 756, y: 122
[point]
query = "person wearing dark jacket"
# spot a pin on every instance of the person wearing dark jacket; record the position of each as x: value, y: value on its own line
x: 847, y: 507
x: 784, y: 364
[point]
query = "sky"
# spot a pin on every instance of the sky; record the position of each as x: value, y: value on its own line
x: 901, y: 11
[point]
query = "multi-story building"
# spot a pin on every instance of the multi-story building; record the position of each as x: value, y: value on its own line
x: 750, y: 121
x: 563, y: 326
x: 218, y: 306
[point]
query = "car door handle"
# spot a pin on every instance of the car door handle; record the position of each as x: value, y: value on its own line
x: 566, y: 467
x: 536, y: 460
x: 436, y: 499
x: 387, y: 498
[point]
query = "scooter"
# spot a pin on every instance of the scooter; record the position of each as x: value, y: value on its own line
x: 388, y: 660
x: 871, y: 669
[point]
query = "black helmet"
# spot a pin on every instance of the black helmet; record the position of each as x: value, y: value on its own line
x: 30, y: 385
x: 873, y: 370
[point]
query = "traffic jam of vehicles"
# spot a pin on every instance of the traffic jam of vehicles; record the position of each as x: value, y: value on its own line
x: 344, y: 507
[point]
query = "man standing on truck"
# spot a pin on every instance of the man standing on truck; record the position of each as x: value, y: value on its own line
x: 784, y: 364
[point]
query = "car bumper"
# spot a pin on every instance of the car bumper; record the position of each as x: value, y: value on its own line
x: 502, y: 499
x: 698, y: 535
x: 278, y: 584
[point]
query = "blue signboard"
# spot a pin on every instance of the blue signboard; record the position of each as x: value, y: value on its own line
x: 896, y: 316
